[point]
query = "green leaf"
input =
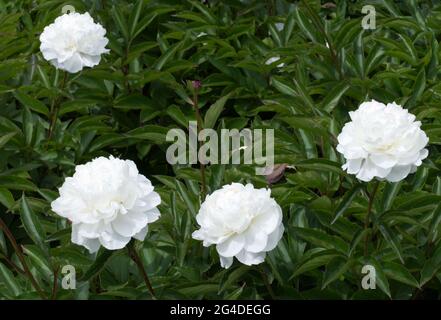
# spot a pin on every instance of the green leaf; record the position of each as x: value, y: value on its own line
x: 167, y: 56
x: 106, y: 140
x: 6, y: 198
x: 183, y: 192
x: 320, y: 165
x: 144, y: 23
x: 133, y: 102
x: 31, y: 223
x: 214, y: 111
x: 283, y: 87
x: 380, y: 277
x: 17, y: 183
x: 136, y: 13
x: 346, y: 201
x: 275, y: 34
x: 76, y: 105
x: 120, y: 21
x: 217, y: 174
x: 176, y: 114
x: 100, y: 262
x: 71, y: 255
x: 31, y: 103
x: 28, y: 125
x: 199, y: 290
x: 389, y: 194
x: 153, y: 133
x: 361, y: 234
x: 307, y: 123
x: 333, y: 97
x: 211, y: 19
x: 5, y: 138
x: 233, y: 277
x: 313, y: 262
x: 399, y: 273
x: 9, y: 280
x: 39, y: 260
x: 434, y: 223
x: 334, y: 270
x: 391, y: 240
x: 418, y: 89
x: 321, y: 239
x: 305, y: 25
x: 431, y: 266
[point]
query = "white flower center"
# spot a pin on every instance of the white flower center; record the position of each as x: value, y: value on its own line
x: 71, y: 46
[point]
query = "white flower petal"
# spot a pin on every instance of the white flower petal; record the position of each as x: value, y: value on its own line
x: 226, y: 262
x: 141, y: 234
x: 129, y: 224
x: 90, y: 244
x: 113, y: 241
x: 153, y: 214
x: 398, y: 173
x: 250, y: 258
x: 231, y: 246
x: 255, y: 239
x: 274, y: 238
x: 269, y: 220
x: 383, y: 160
x: 353, y: 165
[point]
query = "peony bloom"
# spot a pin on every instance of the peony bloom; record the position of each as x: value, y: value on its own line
x: 242, y: 222
x: 73, y: 41
x: 382, y: 141
x: 108, y: 203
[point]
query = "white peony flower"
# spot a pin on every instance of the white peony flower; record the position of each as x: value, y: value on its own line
x: 242, y: 222
x: 382, y: 141
x: 108, y: 203
x: 73, y: 41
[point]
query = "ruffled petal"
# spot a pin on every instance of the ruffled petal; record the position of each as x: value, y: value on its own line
x: 398, y: 173
x: 90, y: 244
x: 250, y: 258
x: 274, y: 238
x: 113, y: 241
x: 255, y: 239
x: 226, y: 262
x: 129, y: 224
x: 141, y: 234
x: 231, y: 246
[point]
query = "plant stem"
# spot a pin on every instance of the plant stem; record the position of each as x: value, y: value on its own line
x: 135, y: 257
x: 20, y: 256
x: 266, y: 282
x: 55, y: 286
x: 368, y: 216
x: 12, y: 264
x: 55, y: 107
x: 200, y: 127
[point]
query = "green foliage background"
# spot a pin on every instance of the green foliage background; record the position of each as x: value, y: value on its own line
x: 126, y: 105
